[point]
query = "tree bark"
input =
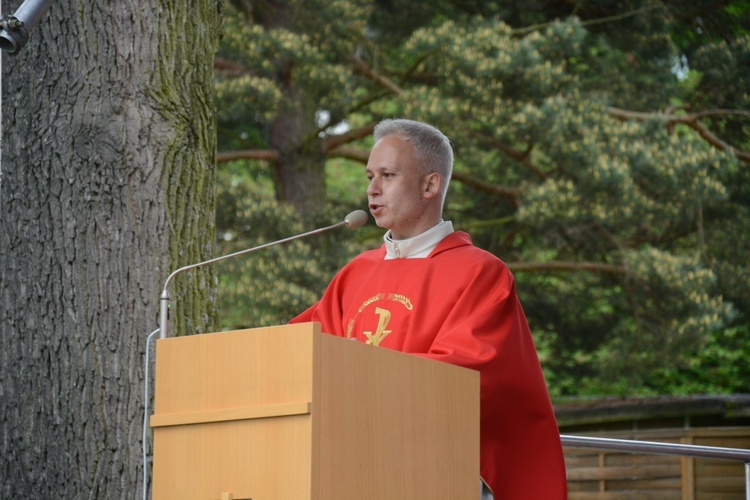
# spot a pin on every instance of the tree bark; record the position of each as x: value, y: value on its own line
x: 106, y: 185
x: 300, y: 165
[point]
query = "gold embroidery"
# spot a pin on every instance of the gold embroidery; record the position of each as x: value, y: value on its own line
x: 381, y: 333
x: 401, y: 298
x: 370, y: 301
x: 384, y: 317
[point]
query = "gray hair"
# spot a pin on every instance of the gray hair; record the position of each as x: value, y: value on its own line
x: 433, y: 149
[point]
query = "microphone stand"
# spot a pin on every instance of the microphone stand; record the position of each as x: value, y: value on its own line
x: 354, y: 219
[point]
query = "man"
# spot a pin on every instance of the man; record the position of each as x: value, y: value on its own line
x: 428, y: 291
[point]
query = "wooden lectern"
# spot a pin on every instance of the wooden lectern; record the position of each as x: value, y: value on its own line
x: 291, y: 413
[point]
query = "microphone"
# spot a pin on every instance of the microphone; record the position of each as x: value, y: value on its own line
x: 16, y: 28
x: 354, y: 219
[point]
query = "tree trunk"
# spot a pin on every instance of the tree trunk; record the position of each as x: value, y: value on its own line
x: 300, y: 166
x: 299, y: 172
x: 106, y: 186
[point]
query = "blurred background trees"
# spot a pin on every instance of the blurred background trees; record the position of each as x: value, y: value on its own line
x: 602, y: 151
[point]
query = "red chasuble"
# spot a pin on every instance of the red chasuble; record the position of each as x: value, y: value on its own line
x: 459, y: 306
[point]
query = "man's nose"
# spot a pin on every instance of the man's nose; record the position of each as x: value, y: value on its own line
x: 373, y: 188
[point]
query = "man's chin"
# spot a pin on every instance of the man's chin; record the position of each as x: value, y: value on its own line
x: 379, y: 220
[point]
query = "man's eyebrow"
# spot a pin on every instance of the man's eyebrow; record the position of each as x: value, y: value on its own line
x: 380, y: 168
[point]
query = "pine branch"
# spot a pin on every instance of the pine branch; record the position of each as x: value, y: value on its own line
x: 350, y: 153
x: 335, y: 141
x: 361, y: 66
x: 567, y: 266
x: 588, y: 22
x: 511, y: 194
x: 271, y: 155
x: 691, y: 120
x: 230, y: 66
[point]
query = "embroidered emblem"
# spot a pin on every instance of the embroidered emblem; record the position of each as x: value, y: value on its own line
x: 384, y: 317
x: 381, y: 332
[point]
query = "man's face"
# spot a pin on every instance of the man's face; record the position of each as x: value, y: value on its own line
x: 396, y: 192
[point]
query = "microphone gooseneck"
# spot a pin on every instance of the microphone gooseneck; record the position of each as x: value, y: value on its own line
x: 354, y: 219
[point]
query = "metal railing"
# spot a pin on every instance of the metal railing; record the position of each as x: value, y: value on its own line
x: 653, y: 448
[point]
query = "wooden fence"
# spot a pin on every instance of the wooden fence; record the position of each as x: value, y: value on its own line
x: 622, y: 475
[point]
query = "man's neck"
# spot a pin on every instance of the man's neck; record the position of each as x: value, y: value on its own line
x: 419, y: 246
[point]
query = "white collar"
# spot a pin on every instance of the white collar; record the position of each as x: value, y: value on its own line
x: 419, y: 246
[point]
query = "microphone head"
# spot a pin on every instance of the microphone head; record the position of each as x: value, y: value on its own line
x: 356, y: 218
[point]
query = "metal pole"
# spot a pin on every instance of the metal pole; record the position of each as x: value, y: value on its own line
x: 650, y: 447
x: 1, y: 113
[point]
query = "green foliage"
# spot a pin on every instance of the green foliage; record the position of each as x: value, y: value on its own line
x: 630, y: 230
x: 724, y: 80
x: 275, y: 284
x: 719, y: 367
x: 309, y: 50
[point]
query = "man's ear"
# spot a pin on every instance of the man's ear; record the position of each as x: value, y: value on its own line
x: 432, y: 185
